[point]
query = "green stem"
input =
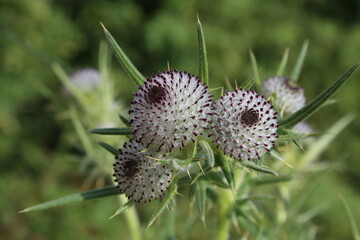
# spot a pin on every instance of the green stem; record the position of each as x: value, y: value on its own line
x: 225, y: 208
x: 131, y: 219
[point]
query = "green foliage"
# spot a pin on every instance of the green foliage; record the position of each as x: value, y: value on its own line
x: 45, y: 132
x: 94, y: 194
x: 258, y: 168
x: 112, y: 131
x: 255, y: 69
x: 248, y: 83
x: 203, y: 62
x: 169, y: 196
x: 123, y: 208
x: 209, y: 154
x: 352, y: 220
x: 283, y: 63
x: 300, y: 62
x: 227, y: 168
x: 109, y: 148
x: 128, y: 66
x: 200, y: 198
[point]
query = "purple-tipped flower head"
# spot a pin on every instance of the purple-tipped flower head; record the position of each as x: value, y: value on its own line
x: 288, y: 93
x: 138, y: 176
x: 245, y: 125
x: 170, y: 110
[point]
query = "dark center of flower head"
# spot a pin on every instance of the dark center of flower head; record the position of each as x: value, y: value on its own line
x: 292, y: 85
x: 131, y: 167
x: 250, y: 117
x: 156, y: 94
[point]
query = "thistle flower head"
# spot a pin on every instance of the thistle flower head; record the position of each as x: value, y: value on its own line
x: 85, y: 79
x: 288, y: 93
x: 245, y: 125
x: 303, y: 127
x: 170, y: 110
x: 141, y: 178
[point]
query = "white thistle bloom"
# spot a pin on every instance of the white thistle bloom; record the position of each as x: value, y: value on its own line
x: 288, y: 93
x: 245, y: 125
x: 141, y: 178
x: 85, y: 79
x: 303, y: 127
x: 170, y: 110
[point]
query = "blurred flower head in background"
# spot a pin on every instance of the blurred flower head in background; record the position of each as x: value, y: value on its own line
x: 289, y: 95
x: 85, y: 79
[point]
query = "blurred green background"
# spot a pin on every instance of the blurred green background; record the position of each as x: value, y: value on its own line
x: 36, y: 164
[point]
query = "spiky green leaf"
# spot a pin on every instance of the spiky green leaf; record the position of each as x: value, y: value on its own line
x: 276, y: 155
x: 169, y: 196
x: 109, y: 148
x: 244, y: 218
x: 217, y: 178
x: 292, y: 135
x: 209, y: 154
x: 283, y: 63
x: 258, y: 168
x: 203, y: 62
x: 300, y: 62
x: 112, y: 131
x: 124, y: 120
x: 125, y: 62
x: 248, y: 83
x: 212, y: 194
x: 63, y: 77
x: 242, y: 201
x: 353, y: 223
x: 123, y: 208
x: 80, y: 130
x: 226, y: 166
x: 77, y: 197
x: 323, y: 142
x: 200, y: 198
x: 271, y: 180
x: 228, y: 85
x: 255, y: 69
x: 310, y: 214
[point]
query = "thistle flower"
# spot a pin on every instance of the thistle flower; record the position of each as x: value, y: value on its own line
x: 85, y: 79
x: 288, y: 93
x: 303, y: 127
x: 141, y: 178
x: 170, y: 110
x: 245, y: 125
